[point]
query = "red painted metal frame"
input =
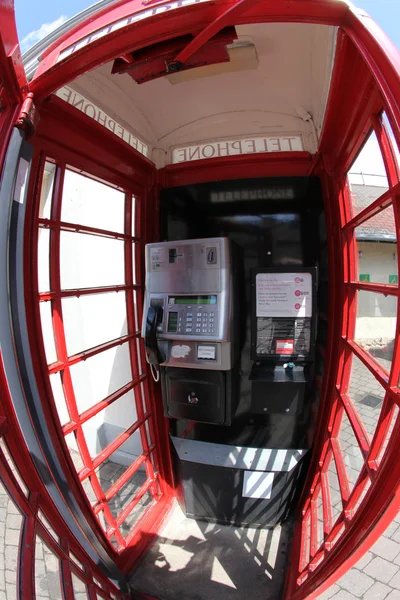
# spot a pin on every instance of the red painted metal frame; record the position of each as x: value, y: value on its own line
x: 159, y: 484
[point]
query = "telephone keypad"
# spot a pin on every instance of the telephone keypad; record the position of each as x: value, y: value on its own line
x: 195, y: 323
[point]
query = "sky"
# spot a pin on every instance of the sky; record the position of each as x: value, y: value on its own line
x: 47, y: 15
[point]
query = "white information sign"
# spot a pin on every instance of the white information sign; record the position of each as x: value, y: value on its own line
x: 283, y: 294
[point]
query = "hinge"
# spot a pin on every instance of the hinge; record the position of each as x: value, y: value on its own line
x: 28, y: 117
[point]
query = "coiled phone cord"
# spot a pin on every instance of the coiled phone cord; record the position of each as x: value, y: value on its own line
x: 155, y: 371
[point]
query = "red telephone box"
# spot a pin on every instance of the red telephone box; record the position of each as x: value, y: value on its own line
x: 89, y: 154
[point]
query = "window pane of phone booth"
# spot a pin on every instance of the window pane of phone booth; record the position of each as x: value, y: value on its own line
x: 392, y: 138
x: 377, y: 249
x: 367, y: 395
x: 90, y: 261
x: 97, y: 377
x: 44, y: 260
x: 92, y: 203
x: 103, y: 428
x: 93, y: 319
x: 47, y: 572
x: 46, y: 191
x: 367, y: 175
x: 376, y: 325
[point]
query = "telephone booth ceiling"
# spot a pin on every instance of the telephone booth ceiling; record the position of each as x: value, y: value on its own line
x: 276, y: 83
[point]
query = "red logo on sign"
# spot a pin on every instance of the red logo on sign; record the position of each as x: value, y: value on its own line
x: 298, y: 292
x: 297, y: 306
x: 298, y: 279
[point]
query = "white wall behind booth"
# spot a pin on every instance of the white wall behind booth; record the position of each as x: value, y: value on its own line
x: 376, y: 314
x: 90, y: 320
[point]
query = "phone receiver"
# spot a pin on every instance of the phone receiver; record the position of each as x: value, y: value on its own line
x: 153, y: 319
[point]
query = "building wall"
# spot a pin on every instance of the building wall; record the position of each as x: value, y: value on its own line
x: 376, y: 314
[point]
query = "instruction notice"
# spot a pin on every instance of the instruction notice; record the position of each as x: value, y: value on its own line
x: 283, y: 294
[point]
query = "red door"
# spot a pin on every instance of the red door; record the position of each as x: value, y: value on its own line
x: 353, y: 488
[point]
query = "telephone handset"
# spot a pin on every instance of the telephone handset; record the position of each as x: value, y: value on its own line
x: 153, y: 354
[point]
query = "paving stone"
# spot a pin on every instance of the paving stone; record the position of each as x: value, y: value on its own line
x: 378, y: 591
x: 10, y: 576
x: 12, y: 537
x: 395, y: 581
x: 11, y: 593
x: 343, y: 595
x: 394, y: 595
x: 356, y: 582
x: 329, y: 593
x: 362, y: 563
x: 13, y: 521
x: 385, y: 548
x: 389, y: 531
x: 381, y: 569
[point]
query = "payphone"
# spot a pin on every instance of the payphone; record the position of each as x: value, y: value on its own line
x: 189, y: 327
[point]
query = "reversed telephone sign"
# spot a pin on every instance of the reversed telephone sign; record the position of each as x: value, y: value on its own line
x: 283, y: 295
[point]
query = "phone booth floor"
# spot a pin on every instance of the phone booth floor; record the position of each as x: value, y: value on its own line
x: 196, y: 560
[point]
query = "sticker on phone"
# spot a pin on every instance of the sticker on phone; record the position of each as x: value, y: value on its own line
x: 284, y: 346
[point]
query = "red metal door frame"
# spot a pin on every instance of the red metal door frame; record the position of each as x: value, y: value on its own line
x: 367, y: 511
x: 79, y: 139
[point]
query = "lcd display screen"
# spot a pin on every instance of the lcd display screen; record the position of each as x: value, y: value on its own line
x: 192, y: 300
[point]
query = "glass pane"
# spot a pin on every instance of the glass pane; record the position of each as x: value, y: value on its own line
x: 47, y: 331
x: 352, y: 455
x: 367, y: 395
x: 137, y: 512
x: 134, y: 207
x: 336, y: 497
x: 89, y: 491
x: 99, y: 376
x: 13, y: 468
x: 367, y: 175
x: 376, y: 325
x: 80, y: 589
x: 47, y: 526
x: 46, y: 192
x: 91, y: 203
x: 90, y: 261
x: 320, y: 521
x: 93, y: 320
x: 72, y: 446
x: 47, y: 572
x: 377, y: 261
x: 391, y: 135
x: 59, y: 398
x: 367, y: 485
x: 102, y: 429
x: 112, y: 468
x: 389, y: 433
x: 44, y: 260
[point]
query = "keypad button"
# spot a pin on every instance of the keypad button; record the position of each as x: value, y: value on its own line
x: 189, y: 314
x: 189, y: 319
x: 198, y: 330
x: 189, y: 330
x: 199, y: 314
x: 212, y: 314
